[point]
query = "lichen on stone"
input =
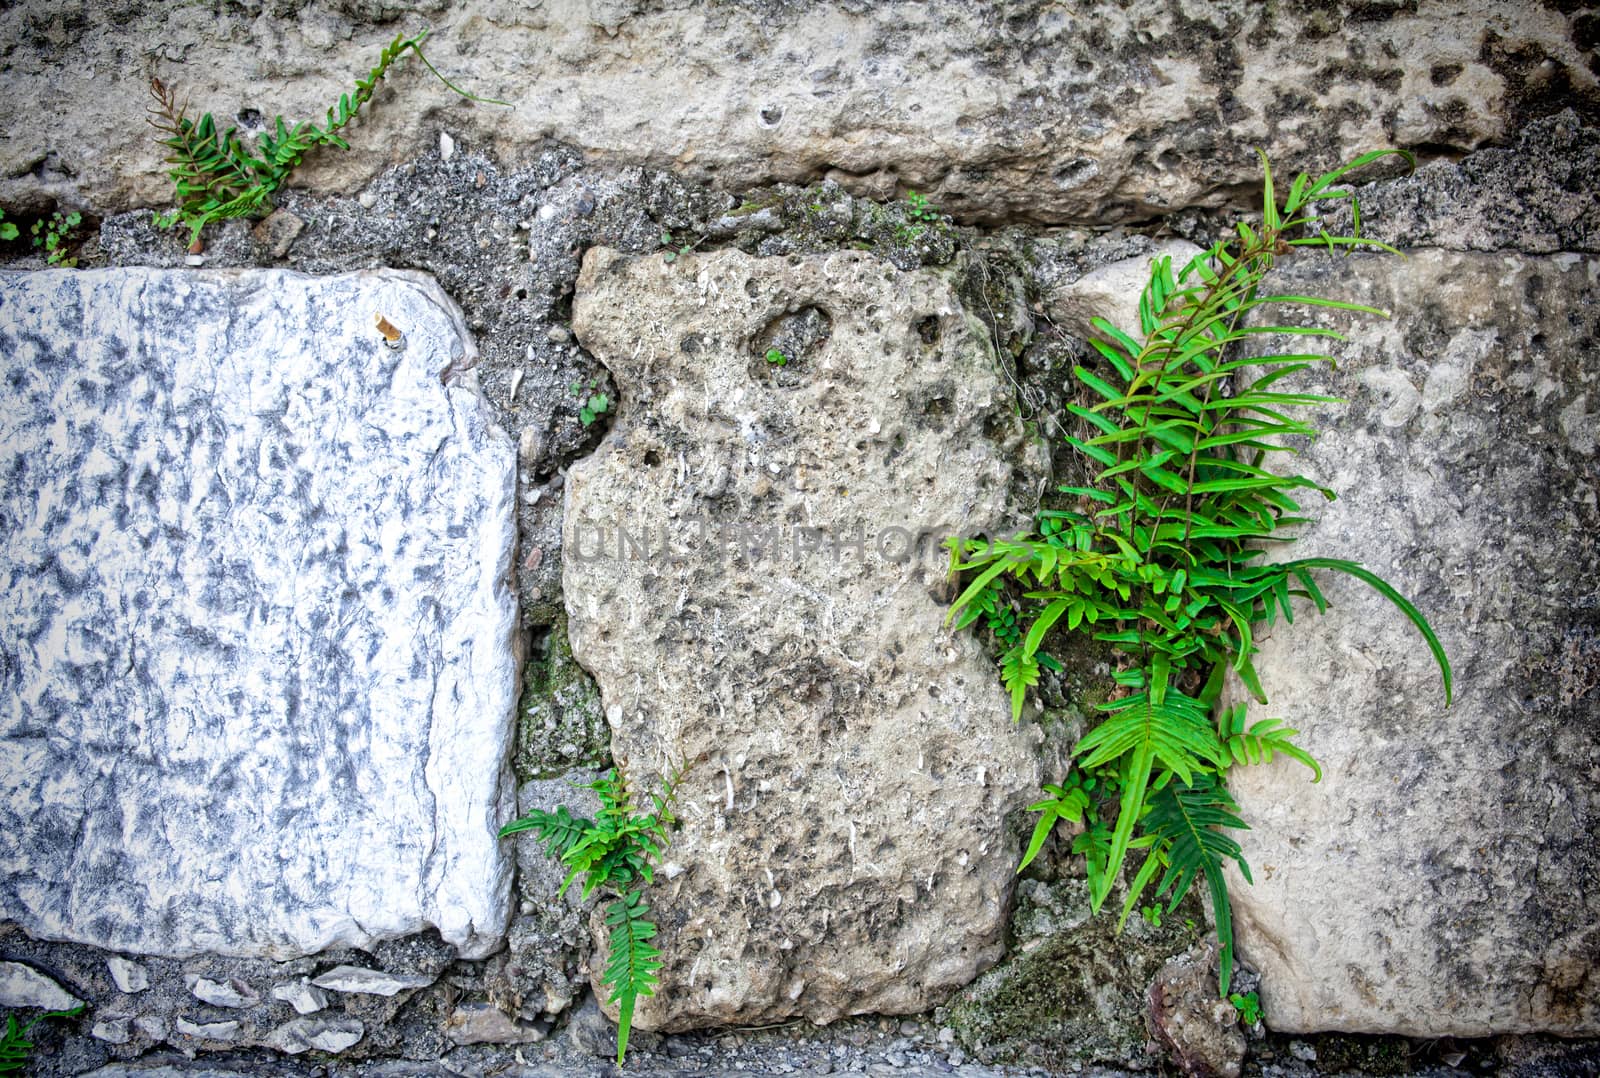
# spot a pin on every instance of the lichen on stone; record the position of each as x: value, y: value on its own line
x: 560, y: 724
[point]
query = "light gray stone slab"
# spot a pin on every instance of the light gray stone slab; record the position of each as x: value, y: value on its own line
x: 24, y: 986
x: 1443, y: 879
x: 372, y: 982
x: 258, y: 667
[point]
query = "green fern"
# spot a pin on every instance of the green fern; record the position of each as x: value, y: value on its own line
x: 617, y: 852
x: 633, y: 962
x: 216, y: 177
x: 1161, y: 556
x: 1182, y: 832
x: 15, y: 1048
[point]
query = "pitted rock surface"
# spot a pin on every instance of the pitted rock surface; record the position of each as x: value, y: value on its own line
x: 1443, y: 879
x: 844, y: 847
x: 999, y: 110
x: 258, y: 668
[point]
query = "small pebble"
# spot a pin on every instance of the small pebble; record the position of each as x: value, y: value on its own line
x: 127, y: 974
x: 194, y: 260
x: 368, y: 199
x: 447, y: 146
x: 558, y: 335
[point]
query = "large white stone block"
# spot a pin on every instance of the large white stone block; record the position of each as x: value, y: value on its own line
x: 257, y: 666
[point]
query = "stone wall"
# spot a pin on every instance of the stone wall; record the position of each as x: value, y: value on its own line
x: 252, y: 809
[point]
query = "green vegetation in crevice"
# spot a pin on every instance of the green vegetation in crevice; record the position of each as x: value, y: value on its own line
x: 616, y: 853
x: 1159, y: 554
x: 217, y: 177
x: 15, y: 1048
x: 824, y: 218
x: 561, y: 725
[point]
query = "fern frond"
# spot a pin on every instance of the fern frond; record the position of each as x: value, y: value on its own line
x: 560, y: 831
x: 1176, y: 733
x: 1257, y: 743
x: 1184, y: 822
x: 632, y: 964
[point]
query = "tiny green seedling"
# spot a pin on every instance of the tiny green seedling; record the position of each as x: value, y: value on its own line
x: 595, y: 403
x: 1151, y: 915
x: 777, y: 358
x: 52, y: 235
x: 675, y: 250
x: 8, y: 231
x: 918, y: 208
x: 1248, y: 1005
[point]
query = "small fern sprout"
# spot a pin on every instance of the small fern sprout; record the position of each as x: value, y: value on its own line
x: 217, y: 177
x: 616, y: 853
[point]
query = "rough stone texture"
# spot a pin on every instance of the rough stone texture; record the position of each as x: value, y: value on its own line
x: 1444, y: 878
x: 1112, y: 292
x: 1199, y: 1032
x: 999, y: 109
x: 24, y: 986
x: 371, y: 982
x: 1071, y: 989
x: 484, y: 1023
x: 844, y: 847
x: 259, y: 668
x: 1535, y: 196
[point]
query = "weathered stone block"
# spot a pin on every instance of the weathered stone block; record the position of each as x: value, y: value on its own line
x: 258, y: 668
x: 742, y: 577
x: 1443, y: 879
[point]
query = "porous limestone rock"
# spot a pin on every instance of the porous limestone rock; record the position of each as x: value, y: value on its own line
x: 1071, y: 987
x: 1198, y: 1031
x: 752, y: 574
x: 998, y: 108
x: 1444, y: 878
x: 259, y: 670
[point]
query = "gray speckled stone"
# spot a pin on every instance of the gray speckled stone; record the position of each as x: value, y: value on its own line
x: 258, y: 667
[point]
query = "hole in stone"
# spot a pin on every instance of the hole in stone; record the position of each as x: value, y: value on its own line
x: 522, y: 293
x: 651, y: 458
x: 250, y: 118
x: 691, y: 345
x: 770, y: 116
x: 1075, y: 172
x: 751, y: 290
x: 928, y: 329
x: 785, y: 347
